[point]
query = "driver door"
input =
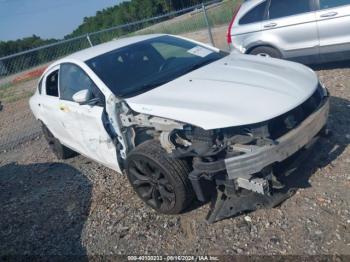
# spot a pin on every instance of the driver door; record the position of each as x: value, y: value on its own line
x: 83, y: 123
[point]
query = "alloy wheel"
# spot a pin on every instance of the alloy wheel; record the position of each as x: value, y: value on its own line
x: 151, y: 184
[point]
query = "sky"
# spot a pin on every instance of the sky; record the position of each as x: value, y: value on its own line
x: 45, y: 18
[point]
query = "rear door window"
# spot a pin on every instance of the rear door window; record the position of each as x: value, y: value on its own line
x: 52, y: 84
x: 255, y: 15
x: 325, y: 4
x: 283, y: 8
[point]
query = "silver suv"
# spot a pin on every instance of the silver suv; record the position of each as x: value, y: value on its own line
x: 307, y: 31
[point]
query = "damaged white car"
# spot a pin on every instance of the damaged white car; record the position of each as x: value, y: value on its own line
x: 183, y: 120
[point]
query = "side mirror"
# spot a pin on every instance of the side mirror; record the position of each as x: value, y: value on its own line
x: 82, y: 96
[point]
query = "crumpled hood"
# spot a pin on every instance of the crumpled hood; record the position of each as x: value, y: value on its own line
x: 236, y: 90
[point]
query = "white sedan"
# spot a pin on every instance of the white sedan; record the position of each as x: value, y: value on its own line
x: 184, y: 120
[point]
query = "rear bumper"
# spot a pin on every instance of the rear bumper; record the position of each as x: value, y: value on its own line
x: 256, y: 158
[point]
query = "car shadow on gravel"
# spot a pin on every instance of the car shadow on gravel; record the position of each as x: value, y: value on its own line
x: 43, y: 209
x: 331, y: 65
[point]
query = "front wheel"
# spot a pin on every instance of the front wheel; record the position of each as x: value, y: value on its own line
x: 159, y: 180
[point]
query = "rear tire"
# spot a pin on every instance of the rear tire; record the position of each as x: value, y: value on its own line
x: 61, y: 151
x: 266, y: 51
x: 159, y: 180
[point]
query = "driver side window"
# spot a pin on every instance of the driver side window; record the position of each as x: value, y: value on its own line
x: 72, y: 80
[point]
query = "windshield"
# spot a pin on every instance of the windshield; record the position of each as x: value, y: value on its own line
x: 137, y: 68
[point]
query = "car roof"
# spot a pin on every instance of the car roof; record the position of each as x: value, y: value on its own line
x: 100, y: 49
x: 249, y: 4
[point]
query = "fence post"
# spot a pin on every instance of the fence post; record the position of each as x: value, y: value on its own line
x: 208, y: 25
x: 89, y: 40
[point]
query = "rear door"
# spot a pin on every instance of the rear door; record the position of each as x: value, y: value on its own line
x: 49, y: 106
x: 291, y: 26
x: 333, y: 20
x: 83, y: 123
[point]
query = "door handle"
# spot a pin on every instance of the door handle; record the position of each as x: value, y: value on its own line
x: 270, y: 25
x: 330, y: 14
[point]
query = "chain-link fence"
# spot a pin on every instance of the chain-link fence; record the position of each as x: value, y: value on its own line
x: 205, y: 23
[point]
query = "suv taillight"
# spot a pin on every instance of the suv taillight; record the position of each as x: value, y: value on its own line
x: 229, y: 38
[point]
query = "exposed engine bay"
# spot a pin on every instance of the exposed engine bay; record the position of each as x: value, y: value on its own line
x: 220, y: 158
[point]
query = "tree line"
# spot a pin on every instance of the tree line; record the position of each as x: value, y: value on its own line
x: 125, y: 12
x: 130, y: 11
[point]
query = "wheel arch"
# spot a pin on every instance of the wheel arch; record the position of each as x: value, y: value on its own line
x: 42, y: 122
x: 251, y: 48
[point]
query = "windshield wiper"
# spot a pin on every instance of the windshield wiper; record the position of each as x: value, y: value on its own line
x: 144, y: 88
x: 199, y: 65
x: 153, y: 85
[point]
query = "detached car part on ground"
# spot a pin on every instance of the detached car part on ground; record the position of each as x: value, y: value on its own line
x: 184, y: 120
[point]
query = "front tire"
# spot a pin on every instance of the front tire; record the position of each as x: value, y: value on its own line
x: 159, y: 180
x: 62, y: 152
x: 266, y: 51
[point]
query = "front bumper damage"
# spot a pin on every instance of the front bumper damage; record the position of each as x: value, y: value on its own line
x: 243, y: 183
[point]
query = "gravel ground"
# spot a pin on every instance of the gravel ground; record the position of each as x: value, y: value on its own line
x: 80, y: 207
x: 17, y: 122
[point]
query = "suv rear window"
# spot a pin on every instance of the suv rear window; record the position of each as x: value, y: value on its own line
x: 324, y: 4
x: 254, y: 15
x: 282, y: 8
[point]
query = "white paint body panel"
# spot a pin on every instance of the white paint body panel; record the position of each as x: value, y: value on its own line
x: 78, y: 127
x: 234, y: 91
x: 81, y: 128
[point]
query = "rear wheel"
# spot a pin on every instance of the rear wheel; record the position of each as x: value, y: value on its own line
x: 266, y: 51
x: 159, y: 180
x: 61, y: 151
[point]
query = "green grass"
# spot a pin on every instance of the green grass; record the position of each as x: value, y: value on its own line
x: 189, y: 22
x: 218, y: 15
x: 16, y: 97
x: 5, y: 86
x: 10, y: 92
